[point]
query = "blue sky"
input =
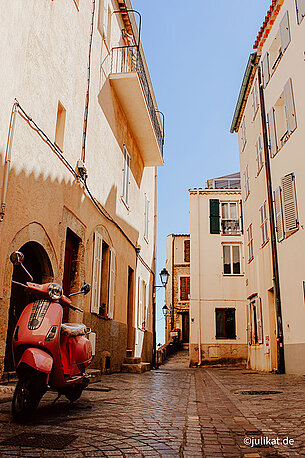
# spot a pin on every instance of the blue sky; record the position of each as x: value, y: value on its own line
x: 196, y: 52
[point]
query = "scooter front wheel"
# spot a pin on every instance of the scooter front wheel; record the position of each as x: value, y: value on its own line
x: 28, y: 392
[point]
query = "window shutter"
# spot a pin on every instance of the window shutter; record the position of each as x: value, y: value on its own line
x: 278, y: 214
x: 285, y: 32
x: 188, y: 289
x: 241, y: 216
x: 259, y: 320
x: 249, y: 326
x: 289, y: 104
x: 265, y: 69
x: 186, y: 250
x: 111, y: 289
x: 105, y: 18
x: 140, y: 302
x: 289, y: 203
x: 214, y: 216
x: 300, y: 9
x: 272, y: 133
x: 96, y: 273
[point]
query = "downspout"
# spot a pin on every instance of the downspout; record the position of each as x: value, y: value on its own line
x: 8, y: 156
x: 154, y: 356
x: 275, y: 268
x: 199, y: 284
x: 173, y: 281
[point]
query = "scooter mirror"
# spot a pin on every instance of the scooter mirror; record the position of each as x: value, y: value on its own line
x: 17, y: 258
x: 85, y: 288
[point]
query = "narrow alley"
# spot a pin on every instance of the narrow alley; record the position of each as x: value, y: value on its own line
x: 171, y: 411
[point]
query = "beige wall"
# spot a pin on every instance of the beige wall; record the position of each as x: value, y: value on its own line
x: 210, y: 288
x: 46, y: 62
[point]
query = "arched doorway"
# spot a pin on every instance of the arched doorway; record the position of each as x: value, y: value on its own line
x: 38, y: 264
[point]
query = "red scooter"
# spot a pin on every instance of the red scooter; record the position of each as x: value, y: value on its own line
x: 47, y: 353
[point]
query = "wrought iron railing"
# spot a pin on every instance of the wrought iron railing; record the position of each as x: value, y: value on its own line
x: 128, y: 59
x: 230, y: 226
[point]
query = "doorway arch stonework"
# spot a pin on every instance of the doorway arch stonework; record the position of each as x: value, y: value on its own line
x: 33, y: 232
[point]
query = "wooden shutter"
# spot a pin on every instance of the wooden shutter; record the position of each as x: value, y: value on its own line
x: 290, y: 109
x: 249, y: 325
x: 300, y: 9
x: 279, y: 215
x: 186, y: 250
x: 111, y: 286
x: 289, y: 203
x: 214, y: 216
x: 96, y: 273
x: 272, y: 133
x: 184, y: 288
x: 259, y: 322
x: 285, y: 32
x: 265, y: 69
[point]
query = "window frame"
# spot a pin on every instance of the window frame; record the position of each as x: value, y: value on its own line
x: 231, y: 273
x: 146, y: 218
x: 264, y: 223
x: 126, y: 173
x: 187, y: 251
x: 237, y: 211
x: 225, y: 311
x: 186, y: 289
x: 246, y: 182
x: 250, y: 243
x: 259, y: 154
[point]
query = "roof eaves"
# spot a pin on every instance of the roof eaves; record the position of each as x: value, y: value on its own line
x: 268, y: 23
x: 243, y: 93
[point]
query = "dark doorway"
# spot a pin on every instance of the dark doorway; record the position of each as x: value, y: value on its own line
x: 130, y: 311
x: 70, y: 267
x: 185, y: 327
x: 38, y: 264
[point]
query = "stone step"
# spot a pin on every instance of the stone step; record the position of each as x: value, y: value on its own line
x: 132, y: 360
x: 136, y: 368
x: 95, y: 375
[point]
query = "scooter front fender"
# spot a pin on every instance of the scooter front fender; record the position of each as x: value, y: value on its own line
x: 36, y: 358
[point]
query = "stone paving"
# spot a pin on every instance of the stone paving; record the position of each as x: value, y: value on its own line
x: 174, y: 411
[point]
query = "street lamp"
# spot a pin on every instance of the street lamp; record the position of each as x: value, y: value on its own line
x: 164, y: 275
x: 164, y: 310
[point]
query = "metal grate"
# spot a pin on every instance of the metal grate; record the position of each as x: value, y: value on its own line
x: 258, y: 393
x: 39, y: 440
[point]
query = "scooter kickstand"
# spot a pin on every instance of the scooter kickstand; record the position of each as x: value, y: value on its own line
x: 56, y: 399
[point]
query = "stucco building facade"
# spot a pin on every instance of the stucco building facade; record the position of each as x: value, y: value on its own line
x: 269, y: 119
x: 217, y: 282
x: 78, y: 169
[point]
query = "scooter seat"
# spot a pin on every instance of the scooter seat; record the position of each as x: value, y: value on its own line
x: 74, y: 329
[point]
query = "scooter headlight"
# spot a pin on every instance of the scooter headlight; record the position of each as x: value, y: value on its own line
x: 55, y: 291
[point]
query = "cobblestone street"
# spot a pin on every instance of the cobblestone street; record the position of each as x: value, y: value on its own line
x: 172, y: 411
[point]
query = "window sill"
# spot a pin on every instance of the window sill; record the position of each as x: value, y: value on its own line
x: 231, y: 235
x: 225, y: 338
x: 254, y: 116
x: 125, y: 204
x: 146, y: 240
x: 250, y: 260
x: 264, y: 243
x: 233, y: 275
x: 260, y: 169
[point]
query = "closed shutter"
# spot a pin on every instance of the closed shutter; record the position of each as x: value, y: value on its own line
x: 214, y: 216
x: 285, y: 32
x: 259, y: 320
x: 241, y: 216
x: 249, y: 325
x: 186, y: 251
x: 96, y: 273
x: 289, y: 203
x: 278, y: 214
x: 140, y: 303
x: 289, y: 105
x: 184, y: 288
x: 300, y: 9
x: 271, y: 133
x: 265, y: 69
x: 111, y: 290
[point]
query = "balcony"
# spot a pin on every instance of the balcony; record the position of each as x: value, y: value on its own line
x: 230, y: 226
x: 125, y: 71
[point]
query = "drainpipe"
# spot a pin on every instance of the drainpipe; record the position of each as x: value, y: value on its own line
x: 199, y: 284
x: 173, y: 281
x: 275, y: 268
x: 154, y: 359
x: 7, y: 163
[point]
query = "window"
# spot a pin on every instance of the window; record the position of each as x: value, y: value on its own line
x: 103, y: 18
x: 285, y: 202
x: 103, y: 278
x: 142, y: 304
x: 184, y: 288
x: 300, y: 6
x: 255, y: 102
x: 126, y: 167
x: 60, y: 126
x: 146, y: 217
x: 225, y: 323
x: 264, y: 223
x: 259, y: 153
x: 243, y: 133
x: 187, y: 250
x: 255, y: 326
x: 246, y: 182
x: 265, y: 69
x: 230, y: 218
x: 250, y: 243
x: 214, y: 216
x: 231, y: 259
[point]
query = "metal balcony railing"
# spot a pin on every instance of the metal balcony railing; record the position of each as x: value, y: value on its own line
x: 230, y: 226
x: 128, y: 59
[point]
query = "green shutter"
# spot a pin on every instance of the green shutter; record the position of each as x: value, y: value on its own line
x: 214, y: 216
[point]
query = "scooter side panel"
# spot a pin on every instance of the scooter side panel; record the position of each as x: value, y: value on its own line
x: 37, y: 359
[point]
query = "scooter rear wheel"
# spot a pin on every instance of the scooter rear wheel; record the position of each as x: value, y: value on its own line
x: 27, y: 395
x: 74, y: 392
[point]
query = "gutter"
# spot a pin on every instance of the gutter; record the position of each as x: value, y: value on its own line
x: 242, y: 94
